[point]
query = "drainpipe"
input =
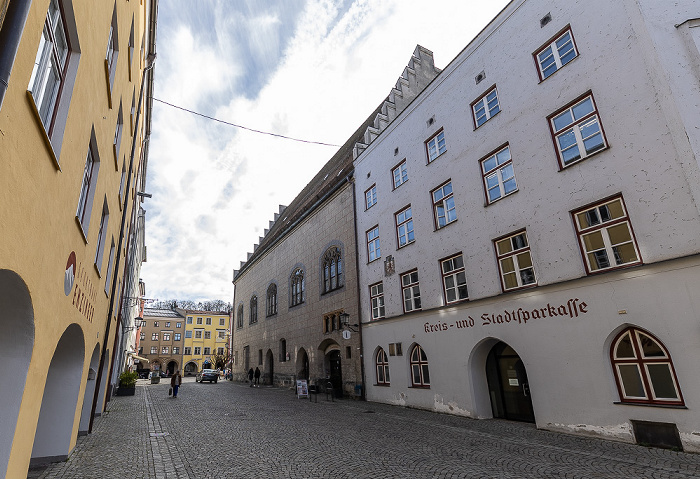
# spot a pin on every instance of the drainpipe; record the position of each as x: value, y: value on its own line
x: 10, y: 36
x: 357, y: 277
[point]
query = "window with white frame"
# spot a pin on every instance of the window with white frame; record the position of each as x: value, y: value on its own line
x: 167, y: 324
x: 154, y: 337
x: 370, y: 197
x: 454, y: 279
x: 404, y: 227
x: 199, y: 320
x: 420, y: 374
x: 400, y: 174
x: 222, y: 321
x: 198, y: 333
x: 176, y: 350
x: 515, y: 261
x: 644, y: 371
x: 188, y: 334
x: 376, y: 294
x: 118, y: 134
x: 142, y: 336
x: 189, y: 319
x: 220, y: 334
x: 207, y: 334
x: 373, y: 250
x: 220, y: 351
x: 577, y: 132
x: 499, y: 177
x: 110, y: 263
x: 271, y: 300
x: 87, y: 188
x: 112, y: 49
x: 177, y: 336
x: 410, y: 291
x: 605, y: 235
x: 556, y: 53
x: 485, y: 107
x: 208, y: 321
x: 253, y: 316
x: 382, y: 368
x: 166, y: 336
x: 297, y: 287
x: 436, y: 146
x: 178, y: 325
x: 154, y: 349
x: 102, y: 236
x: 332, y: 270
x: 443, y: 205
x: 197, y: 350
x: 165, y: 350
x: 207, y: 350
x: 155, y: 324
x: 188, y: 351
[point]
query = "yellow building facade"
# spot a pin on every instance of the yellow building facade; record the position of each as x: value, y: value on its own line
x: 74, y: 126
x: 206, y: 339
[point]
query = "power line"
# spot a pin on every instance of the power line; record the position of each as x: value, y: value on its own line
x: 244, y: 127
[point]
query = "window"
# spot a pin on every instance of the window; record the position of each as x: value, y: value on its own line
x: 112, y: 51
x: 373, y: 250
x: 221, y: 334
x: 260, y: 356
x: 222, y: 321
x: 166, y: 336
x: 198, y: 334
x: 400, y: 174
x: 239, y: 317
x: 283, y: 350
x: 297, y: 287
x: 514, y: 261
x: 555, y: 53
x: 155, y: 324
x: 154, y: 337
x: 99, y: 251
x: 576, y: 131
x: 177, y: 337
x: 207, y: 334
x: 454, y: 279
x: 605, y: 236
x: 208, y: 321
x: 382, y: 365
x: 644, y: 371
x: 189, y: 319
x: 253, y: 310
x: 167, y: 324
x: 410, y: 290
x: 165, y: 350
x: 331, y: 321
x: 198, y: 351
x: 486, y: 107
x: 420, y: 376
x: 271, y: 306
x: 188, y: 334
x: 499, y: 178
x: 176, y: 350
x: 444, y: 205
x: 154, y: 349
x: 131, y: 47
x: 188, y: 350
x: 436, y: 146
x: 376, y: 294
x: 332, y: 270
x: 87, y: 189
x: 178, y: 324
x: 404, y: 227
x: 118, y: 135
x: 395, y: 349
x: 110, y: 263
x: 199, y: 320
x: 371, y: 197
x: 207, y: 350
x: 220, y: 351
x: 143, y: 336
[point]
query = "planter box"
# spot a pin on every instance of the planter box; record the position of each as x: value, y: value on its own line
x: 155, y: 379
x: 126, y: 391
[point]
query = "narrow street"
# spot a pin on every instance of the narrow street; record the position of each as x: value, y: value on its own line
x: 229, y: 430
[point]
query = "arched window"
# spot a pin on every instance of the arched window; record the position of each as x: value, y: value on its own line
x: 253, y: 309
x: 283, y: 350
x: 420, y: 376
x: 382, y: 365
x: 332, y: 270
x: 297, y: 286
x: 271, y: 309
x: 643, y: 369
x: 239, y: 317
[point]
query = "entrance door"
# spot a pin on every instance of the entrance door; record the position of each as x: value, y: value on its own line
x: 336, y: 372
x: 508, y: 385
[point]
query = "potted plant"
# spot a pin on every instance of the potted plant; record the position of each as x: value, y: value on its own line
x: 127, y: 383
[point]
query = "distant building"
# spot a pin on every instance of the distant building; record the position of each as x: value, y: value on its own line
x: 162, y: 339
x: 206, y: 339
x: 75, y: 112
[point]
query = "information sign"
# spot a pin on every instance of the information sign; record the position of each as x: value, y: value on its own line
x: 302, y: 388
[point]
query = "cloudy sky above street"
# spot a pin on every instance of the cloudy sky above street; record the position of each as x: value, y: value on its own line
x: 308, y: 69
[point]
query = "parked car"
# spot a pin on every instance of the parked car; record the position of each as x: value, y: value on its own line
x: 211, y: 375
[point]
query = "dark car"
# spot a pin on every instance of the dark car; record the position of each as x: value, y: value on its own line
x: 211, y: 375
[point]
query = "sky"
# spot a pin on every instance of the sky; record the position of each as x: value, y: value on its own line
x: 308, y: 69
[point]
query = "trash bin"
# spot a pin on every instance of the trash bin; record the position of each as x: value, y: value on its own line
x: 155, y: 378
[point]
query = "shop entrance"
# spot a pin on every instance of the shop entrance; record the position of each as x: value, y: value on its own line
x: 336, y: 373
x: 508, y: 385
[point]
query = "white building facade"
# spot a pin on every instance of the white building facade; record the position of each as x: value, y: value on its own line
x: 529, y: 232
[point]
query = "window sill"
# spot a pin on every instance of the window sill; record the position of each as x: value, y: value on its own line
x: 489, y: 203
x: 375, y: 259
x: 332, y: 290
x: 97, y: 268
x: 435, y: 159
x: 494, y: 116
x: 418, y: 386
x: 666, y: 406
x: 443, y: 227
x: 407, y: 244
x: 397, y: 187
x: 80, y: 227
x: 614, y: 268
x: 44, y: 133
x: 563, y: 167
x: 382, y: 385
x: 109, y: 84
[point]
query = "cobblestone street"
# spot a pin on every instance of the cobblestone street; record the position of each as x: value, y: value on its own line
x: 229, y: 430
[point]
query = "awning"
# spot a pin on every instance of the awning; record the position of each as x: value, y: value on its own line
x: 140, y: 358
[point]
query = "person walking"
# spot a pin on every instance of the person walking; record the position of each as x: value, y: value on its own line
x: 250, y: 377
x: 175, y: 382
x: 257, y: 377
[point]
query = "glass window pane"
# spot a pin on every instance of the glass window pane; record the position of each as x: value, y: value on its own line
x: 509, y: 186
x: 650, y: 348
x: 662, y: 381
x: 598, y: 260
x: 615, y: 209
x: 489, y: 164
x: 503, y: 156
x: 380, y: 374
x: 504, y: 246
x: 527, y: 276
x: 507, y: 265
x: 416, y: 374
x: 426, y: 375
x: 450, y: 294
x: 563, y: 120
x: 386, y: 370
x: 593, y: 241
x: 632, y: 385
x: 619, y: 234
x: 524, y: 260
x: 583, y: 108
x: 510, y: 280
x: 625, y: 253
x: 458, y: 262
x: 624, y: 348
x: 566, y: 140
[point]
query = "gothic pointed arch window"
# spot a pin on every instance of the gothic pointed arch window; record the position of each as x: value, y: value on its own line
x: 271, y: 305
x: 332, y: 269
x: 420, y: 375
x: 239, y: 317
x: 643, y: 368
x: 297, y: 287
x: 382, y: 366
x: 253, y: 309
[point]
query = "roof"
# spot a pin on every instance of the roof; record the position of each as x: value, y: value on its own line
x: 160, y: 313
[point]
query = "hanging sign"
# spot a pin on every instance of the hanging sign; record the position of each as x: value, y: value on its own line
x: 302, y: 388
x: 346, y: 334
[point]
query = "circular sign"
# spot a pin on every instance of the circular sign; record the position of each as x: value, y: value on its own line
x: 346, y: 334
x: 69, y: 277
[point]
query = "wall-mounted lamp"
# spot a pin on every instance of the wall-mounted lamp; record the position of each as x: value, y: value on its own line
x: 345, y: 322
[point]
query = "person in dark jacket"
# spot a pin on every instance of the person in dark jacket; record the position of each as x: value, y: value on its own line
x: 257, y: 377
x: 175, y: 382
x: 250, y: 377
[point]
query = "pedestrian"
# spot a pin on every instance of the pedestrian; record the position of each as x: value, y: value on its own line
x: 250, y: 377
x: 175, y: 382
x: 257, y: 377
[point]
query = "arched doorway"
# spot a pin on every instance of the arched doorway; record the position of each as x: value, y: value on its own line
x: 55, y: 426
x: 269, y: 376
x: 335, y: 372
x: 16, y: 344
x: 103, y: 387
x: 89, y: 392
x: 509, y: 388
x: 172, y: 367
x: 190, y: 368
x: 302, y: 364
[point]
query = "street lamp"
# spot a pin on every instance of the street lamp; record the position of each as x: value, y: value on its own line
x: 138, y: 321
x: 345, y: 322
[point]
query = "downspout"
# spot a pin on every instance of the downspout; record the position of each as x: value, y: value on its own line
x: 10, y: 36
x: 357, y: 278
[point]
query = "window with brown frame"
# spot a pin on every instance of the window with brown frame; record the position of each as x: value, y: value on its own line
x: 382, y: 368
x: 404, y: 227
x: 420, y: 374
x: 373, y: 250
x: 399, y: 174
x: 443, y: 205
x: 515, y: 261
x: 435, y: 145
x: 331, y: 322
x: 371, y: 197
x: 485, y: 107
x: 332, y: 270
x: 454, y: 279
x: 605, y: 236
x: 410, y: 291
x: 576, y: 131
x: 643, y: 368
x: 376, y: 294
x: 556, y: 53
x: 499, y: 177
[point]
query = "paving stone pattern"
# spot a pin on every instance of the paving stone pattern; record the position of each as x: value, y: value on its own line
x: 229, y: 430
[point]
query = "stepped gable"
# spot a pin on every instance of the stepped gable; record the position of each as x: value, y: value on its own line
x: 419, y: 72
